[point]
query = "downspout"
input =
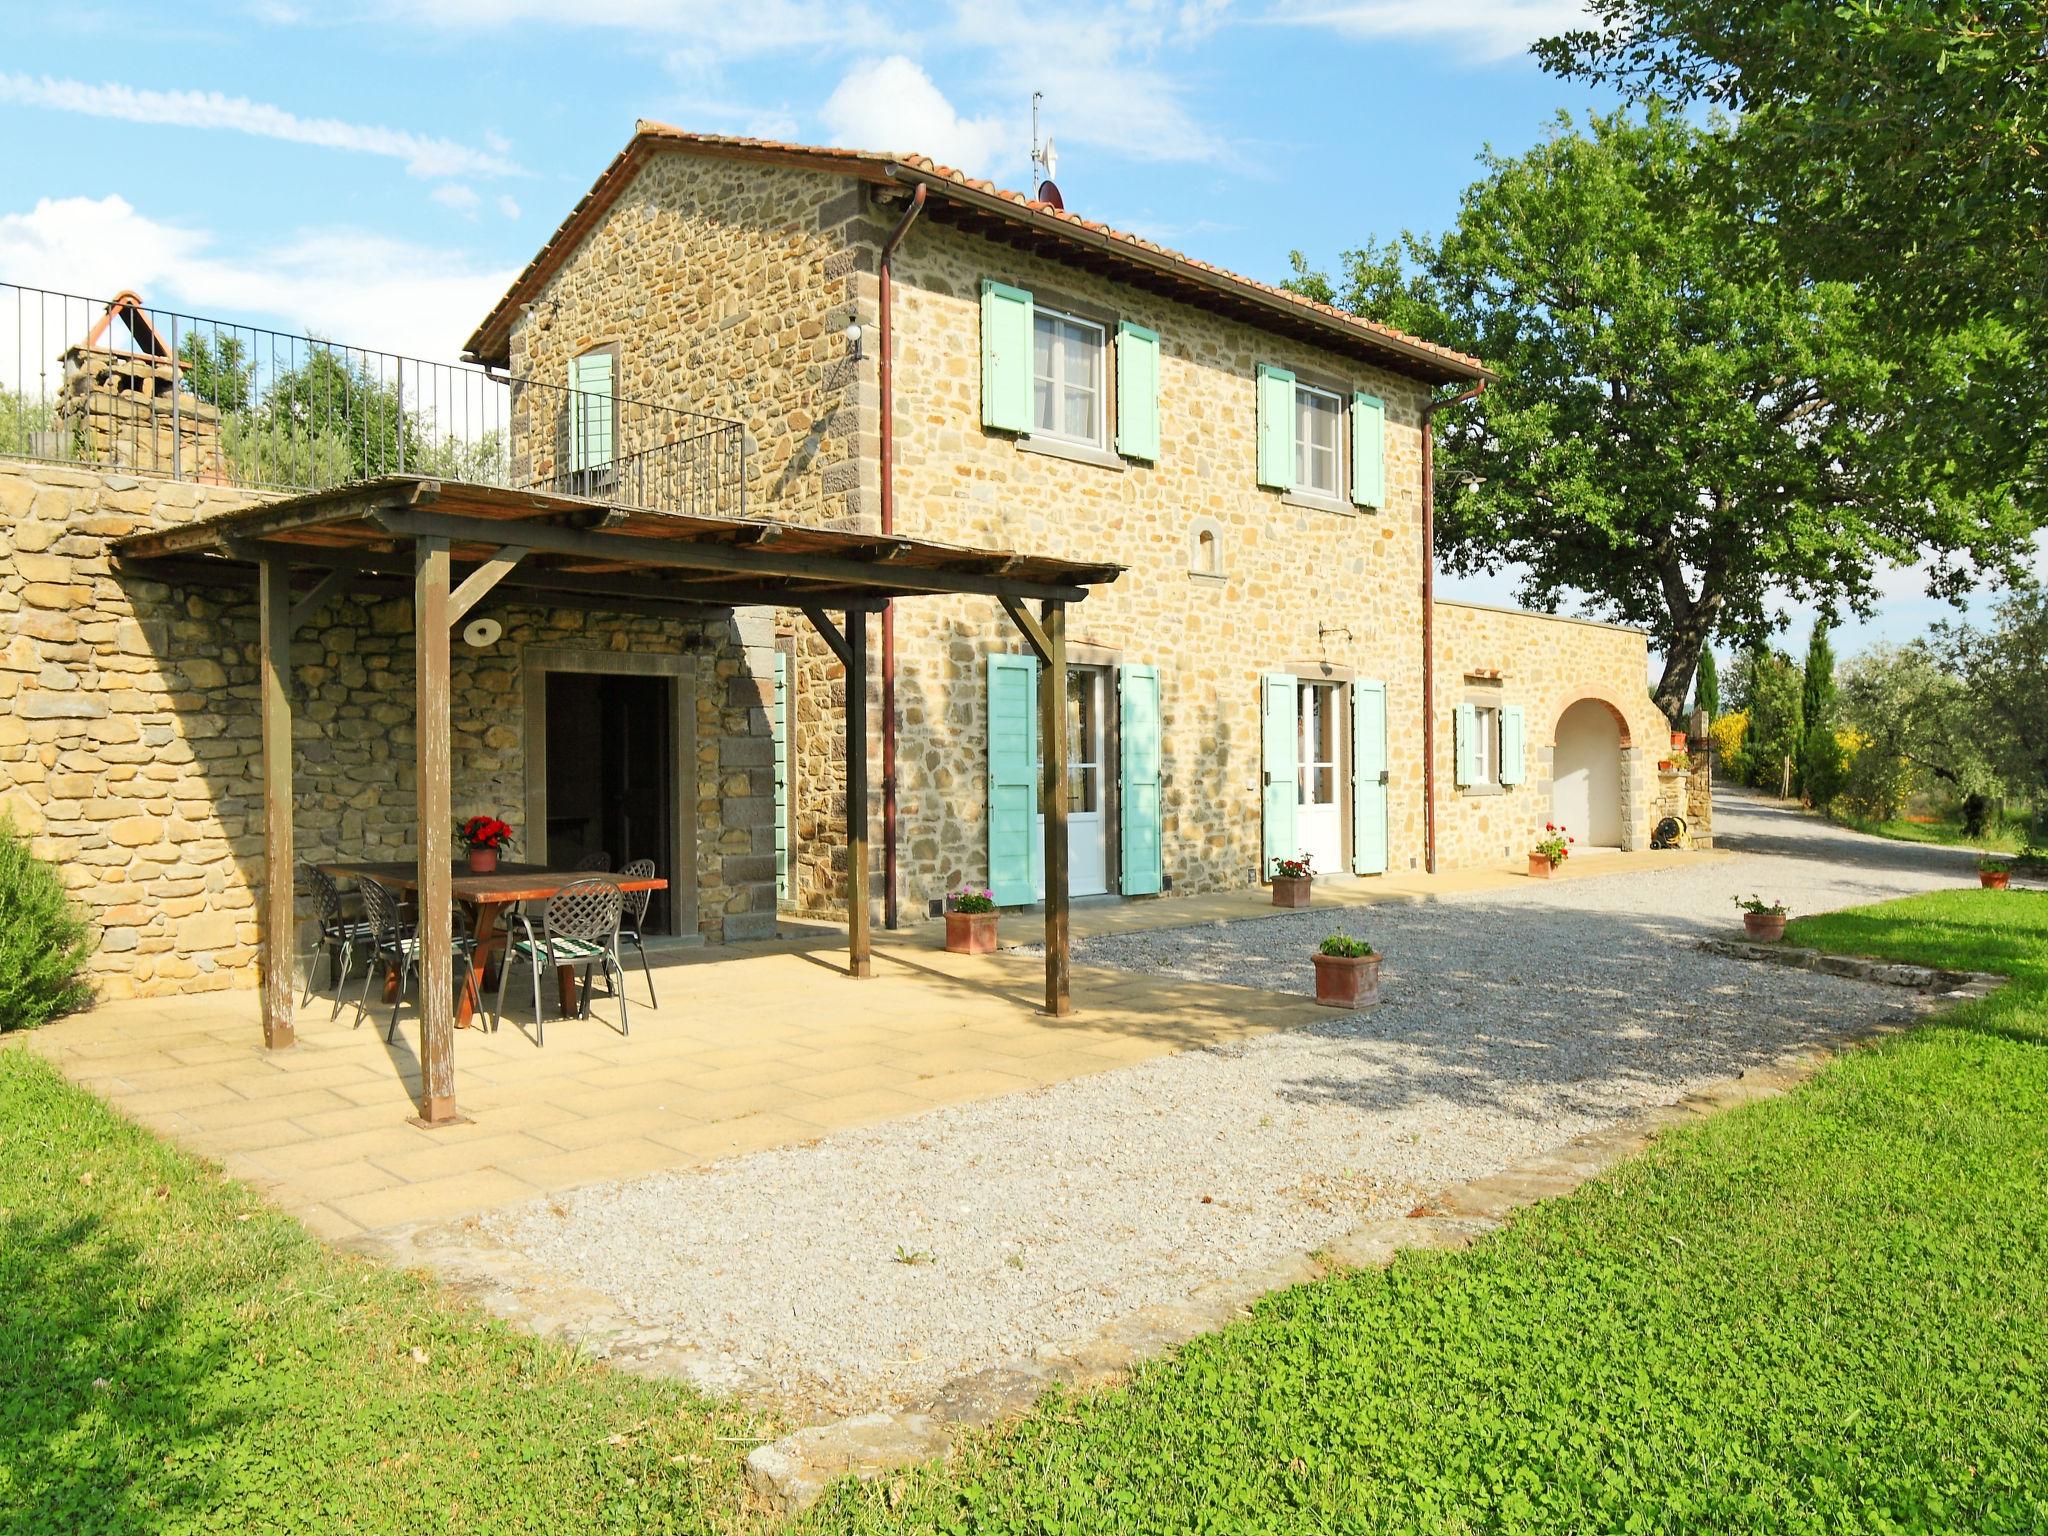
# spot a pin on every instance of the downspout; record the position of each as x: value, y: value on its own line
x: 1429, y: 411
x: 890, y: 916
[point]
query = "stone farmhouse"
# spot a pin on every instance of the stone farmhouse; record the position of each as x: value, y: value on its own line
x: 896, y: 358
x: 1254, y: 686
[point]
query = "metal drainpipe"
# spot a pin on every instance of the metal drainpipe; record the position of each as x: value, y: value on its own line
x: 1429, y: 618
x: 890, y: 915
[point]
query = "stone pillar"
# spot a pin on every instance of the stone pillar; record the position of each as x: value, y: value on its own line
x: 1699, y: 789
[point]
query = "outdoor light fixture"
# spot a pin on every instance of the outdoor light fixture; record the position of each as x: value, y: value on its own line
x: 853, y: 333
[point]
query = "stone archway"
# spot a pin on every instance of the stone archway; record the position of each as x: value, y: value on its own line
x: 1588, y: 780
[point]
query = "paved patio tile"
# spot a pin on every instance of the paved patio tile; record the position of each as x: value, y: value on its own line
x: 435, y: 1199
x: 461, y: 1149
x: 747, y: 1133
x: 615, y: 1159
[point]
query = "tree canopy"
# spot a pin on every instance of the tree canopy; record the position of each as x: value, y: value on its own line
x: 1685, y: 430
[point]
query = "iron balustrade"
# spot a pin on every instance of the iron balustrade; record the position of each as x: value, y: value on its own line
x: 117, y: 384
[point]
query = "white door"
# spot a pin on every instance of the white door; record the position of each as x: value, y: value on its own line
x: 1087, y: 811
x: 1318, y: 819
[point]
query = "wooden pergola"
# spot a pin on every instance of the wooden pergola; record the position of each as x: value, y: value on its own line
x: 450, y: 546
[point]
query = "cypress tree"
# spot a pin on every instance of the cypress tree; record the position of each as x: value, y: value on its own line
x: 1707, y: 683
x: 1817, y: 696
x: 1820, y: 756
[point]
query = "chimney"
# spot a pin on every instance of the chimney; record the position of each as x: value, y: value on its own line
x: 127, y: 408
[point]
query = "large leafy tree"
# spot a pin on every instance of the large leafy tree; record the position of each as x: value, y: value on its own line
x: 2004, y: 669
x: 1915, y: 723
x: 1685, y: 431
x: 1898, y: 144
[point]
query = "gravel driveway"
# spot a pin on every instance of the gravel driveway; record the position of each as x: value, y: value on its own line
x: 874, y: 1265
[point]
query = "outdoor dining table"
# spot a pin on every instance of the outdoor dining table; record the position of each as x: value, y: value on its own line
x: 486, y: 897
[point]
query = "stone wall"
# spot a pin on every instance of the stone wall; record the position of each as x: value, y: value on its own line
x: 1545, y: 665
x: 1302, y: 589
x: 130, y: 753
x: 726, y: 287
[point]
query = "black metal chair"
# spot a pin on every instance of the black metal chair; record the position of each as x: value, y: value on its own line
x: 633, y: 918
x: 396, y: 945
x: 342, y: 933
x: 579, y: 926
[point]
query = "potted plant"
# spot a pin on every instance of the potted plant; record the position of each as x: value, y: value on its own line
x: 971, y: 922
x: 1551, y: 850
x: 1347, y: 973
x: 485, y: 837
x: 1292, y: 881
x: 1994, y: 872
x: 1763, y: 921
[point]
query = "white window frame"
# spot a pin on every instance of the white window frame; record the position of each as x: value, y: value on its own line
x: 1302, y: 487
x: 1486, y: 722
x: 1063, y: 324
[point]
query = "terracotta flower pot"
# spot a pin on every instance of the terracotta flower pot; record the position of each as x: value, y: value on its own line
x: 1347, y: 981
x: 971, y: 933
x: 483, y: 861
x: 1292, y: 891
x: 1994, y: 879
x: 1540, y: 867
x: 1764, y: 927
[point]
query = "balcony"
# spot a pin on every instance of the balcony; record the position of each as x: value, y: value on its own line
x: 118, y: 385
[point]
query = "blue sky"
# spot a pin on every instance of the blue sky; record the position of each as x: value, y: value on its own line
x: 376, y: 171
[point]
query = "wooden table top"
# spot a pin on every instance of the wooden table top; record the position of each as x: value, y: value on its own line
x: 511, y: 882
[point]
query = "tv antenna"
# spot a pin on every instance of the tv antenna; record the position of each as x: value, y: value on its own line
x: 1044, y: 160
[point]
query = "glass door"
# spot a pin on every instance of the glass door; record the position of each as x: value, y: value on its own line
x: 1319, y: 825
x: 1087, y: 809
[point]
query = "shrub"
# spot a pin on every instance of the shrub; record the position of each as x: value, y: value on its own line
x: 1345, y: 947
x: 44, y: 940
x: 1730, y: 732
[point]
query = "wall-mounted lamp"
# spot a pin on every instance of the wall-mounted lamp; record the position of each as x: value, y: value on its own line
x: 853, y: 334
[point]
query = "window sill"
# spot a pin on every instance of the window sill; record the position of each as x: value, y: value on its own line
x: 1480, y: 791
x: 1209, y: 578
x: 1075, y: 453
x: 1317, y: 503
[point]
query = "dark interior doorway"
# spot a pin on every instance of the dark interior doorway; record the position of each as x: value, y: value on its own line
x: 610, y: 774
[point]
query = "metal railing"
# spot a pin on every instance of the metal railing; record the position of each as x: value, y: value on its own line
x: 117, y: 384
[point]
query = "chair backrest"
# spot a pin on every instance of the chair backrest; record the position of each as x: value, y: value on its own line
x: 597, y: 860
x: 636, y: 901
x: 326, y: 894
x: 382, y: 910
x: 584, y: 909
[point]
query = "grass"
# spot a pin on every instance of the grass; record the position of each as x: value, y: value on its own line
x: 1823, y: 1313
x: 2005, y: 836
x: 177, y: 1357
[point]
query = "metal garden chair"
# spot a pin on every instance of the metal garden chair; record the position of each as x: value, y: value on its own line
x: 396, y: 944
x: 633, y: 918
x: 596, y: 862
x: 341, y: 935
x: 578, y: 925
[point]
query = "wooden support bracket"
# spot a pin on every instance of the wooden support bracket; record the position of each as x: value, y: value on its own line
x: 478, y: 583
x: 335, y: 583
x: 1028, y: 625
x: 829, y: 633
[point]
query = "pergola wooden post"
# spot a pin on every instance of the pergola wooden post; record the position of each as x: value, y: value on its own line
x: 1047, y: 636
x: 436, y: 834
x: 280, y: 919
x: 859, y: 960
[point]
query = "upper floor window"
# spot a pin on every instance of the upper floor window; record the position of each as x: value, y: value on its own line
x: 1067, y: 378
x: 1318, y: 442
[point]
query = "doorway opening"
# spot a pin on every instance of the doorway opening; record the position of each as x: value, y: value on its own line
x: 1319, y: 813
x: 1088, y: 697
x: 1586, y: 775
x: 611, y: 774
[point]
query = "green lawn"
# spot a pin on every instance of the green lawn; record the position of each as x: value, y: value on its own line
x: 176, y: 1357
x: 2007, y: 836
x: 1826, y: 1313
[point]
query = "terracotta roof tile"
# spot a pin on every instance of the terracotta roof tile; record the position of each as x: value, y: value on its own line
x: 493, y: 336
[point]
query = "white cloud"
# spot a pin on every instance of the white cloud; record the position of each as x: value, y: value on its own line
x: 425, y: 157
x: 891, y: 104
x: 1489, y: 29
x: 508, y: 205
x: 453, y: 194
x: 713, y: 28
x: 348, y: 285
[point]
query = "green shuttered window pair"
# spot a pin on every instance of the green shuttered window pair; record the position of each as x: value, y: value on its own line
x: 1280, y: 760
x: 1470, y: 727
x: 1009, y: 325
x: 1016, y: 848
x: 1277, y: 418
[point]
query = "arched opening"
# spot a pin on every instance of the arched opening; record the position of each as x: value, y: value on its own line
x: 1585, y: 775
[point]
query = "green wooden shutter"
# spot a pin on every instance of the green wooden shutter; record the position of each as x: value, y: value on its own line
x: 1368, y: 778
x: 1138, y: 800
x: 782, y: 775
x: 1006, y: 327
x: 1276, y: 431
x: 1368, y: 450
x: 1281, y: 731
x: 1013, y: 779
x: 1137, y: 392
x: 590, y: 410
x: 1466, y: 744
x: 1513, y: 764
